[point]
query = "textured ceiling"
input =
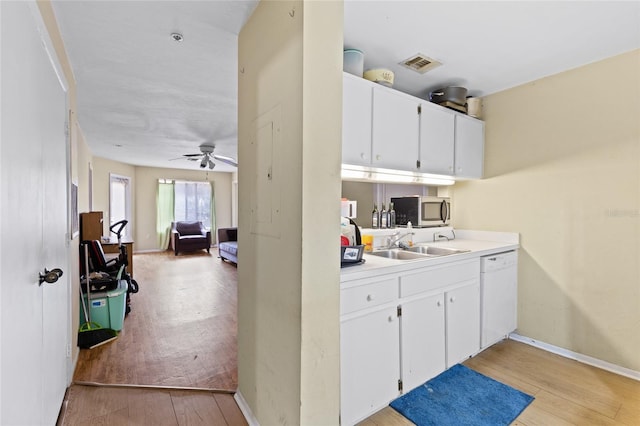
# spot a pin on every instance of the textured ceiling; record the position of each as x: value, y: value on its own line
x: 145, y: 99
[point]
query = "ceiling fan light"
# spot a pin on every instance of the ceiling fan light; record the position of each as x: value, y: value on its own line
x: 211, y: 164
x: 203, y: 163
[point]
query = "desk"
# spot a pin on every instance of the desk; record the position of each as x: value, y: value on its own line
x: 111, y: 246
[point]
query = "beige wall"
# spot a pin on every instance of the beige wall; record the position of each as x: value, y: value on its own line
x: 289, y: 184
x: 144, y: 182
x: 321, y: 154
x: 146, y: 190
x: 562, y: 164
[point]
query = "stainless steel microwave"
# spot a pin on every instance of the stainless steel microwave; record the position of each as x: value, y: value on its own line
x: 422, y: 212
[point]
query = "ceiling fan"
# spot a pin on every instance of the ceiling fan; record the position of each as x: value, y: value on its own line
x: 206, y: 157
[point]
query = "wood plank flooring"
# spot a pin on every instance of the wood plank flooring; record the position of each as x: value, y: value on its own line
x: 182, y: 328
x: 115, y: 406
x: 566, y: 392
x: 181, y: 332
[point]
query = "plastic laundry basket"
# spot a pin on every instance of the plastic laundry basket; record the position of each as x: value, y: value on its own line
x: 108, y: 307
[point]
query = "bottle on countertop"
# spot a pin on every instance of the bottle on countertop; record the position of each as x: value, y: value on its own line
x: 384, y: 218
x: 410, y: 234
x: 375, y: 217
x: 392, y: 216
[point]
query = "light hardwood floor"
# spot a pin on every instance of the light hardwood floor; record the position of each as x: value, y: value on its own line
x: 114, y: 406
x: 181, y: 332
x: 566, y: 392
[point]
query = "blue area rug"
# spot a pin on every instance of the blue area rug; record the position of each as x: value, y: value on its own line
x: 461, y: 396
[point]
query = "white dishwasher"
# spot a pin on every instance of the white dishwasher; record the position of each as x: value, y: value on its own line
x: 499, y: 296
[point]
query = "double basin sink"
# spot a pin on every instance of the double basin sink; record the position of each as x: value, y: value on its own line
x: 416, y: 252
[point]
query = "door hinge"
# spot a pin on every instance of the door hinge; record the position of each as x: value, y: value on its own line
x: 399, y: 311
x: 400, y: 386
x: 419, y: 109
x: 417, y: 164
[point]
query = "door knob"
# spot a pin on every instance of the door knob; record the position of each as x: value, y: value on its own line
x: 50, y: 276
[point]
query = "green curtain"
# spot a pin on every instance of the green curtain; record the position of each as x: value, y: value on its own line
x: 214, y: 234
x: 165, y: 200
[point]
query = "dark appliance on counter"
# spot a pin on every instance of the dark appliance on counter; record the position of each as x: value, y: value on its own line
x: 351, y: 255
x: 422, y: 211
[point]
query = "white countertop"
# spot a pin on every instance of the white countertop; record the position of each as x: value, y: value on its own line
x: 479, y: 243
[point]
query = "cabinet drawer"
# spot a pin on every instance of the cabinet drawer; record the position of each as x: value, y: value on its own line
x: 368, y: 294
x: 438, y: 277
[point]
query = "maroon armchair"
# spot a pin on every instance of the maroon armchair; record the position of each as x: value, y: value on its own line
x: 189, y: 236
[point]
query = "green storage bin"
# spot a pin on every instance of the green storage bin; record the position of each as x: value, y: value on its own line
x: 107, y: 307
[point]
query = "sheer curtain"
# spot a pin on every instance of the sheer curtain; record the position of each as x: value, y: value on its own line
x: 193, y: 202
x: 165, y: 200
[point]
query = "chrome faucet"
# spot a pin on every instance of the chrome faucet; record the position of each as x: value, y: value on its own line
x: 440, y: 236
x: 392, y: 240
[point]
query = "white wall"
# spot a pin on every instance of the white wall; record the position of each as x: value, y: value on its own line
x: 562, y: 164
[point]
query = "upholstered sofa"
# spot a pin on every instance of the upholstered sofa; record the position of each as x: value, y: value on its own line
x: 228, y: 244
x: 189, y: 236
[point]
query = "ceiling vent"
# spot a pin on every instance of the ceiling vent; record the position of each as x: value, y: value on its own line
x: 420, y: 63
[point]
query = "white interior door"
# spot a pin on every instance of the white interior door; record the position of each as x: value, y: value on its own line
x: 55, y: 300
x: 34, y: 318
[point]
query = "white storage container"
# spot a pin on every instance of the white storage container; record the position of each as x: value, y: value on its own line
x: 353, y: 62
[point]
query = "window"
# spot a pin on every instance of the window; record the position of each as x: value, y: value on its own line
x: 193, y: 202
x: 183, y: 201
x: 120, y: 201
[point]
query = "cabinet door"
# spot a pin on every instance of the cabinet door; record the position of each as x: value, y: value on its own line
x: 437, y: 139
x: 469, y: 152
x: 369, y: 364
x: 396, y: 131
x: 422, y: 340
x: 463, y: 322
x: 499, y: 305
x: 357, y: 95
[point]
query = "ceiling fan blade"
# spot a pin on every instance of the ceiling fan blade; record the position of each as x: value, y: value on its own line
x: 191, y: 155
x: 227, y: 160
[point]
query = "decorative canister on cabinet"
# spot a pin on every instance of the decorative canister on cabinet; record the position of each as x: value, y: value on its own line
x: 474, y: 107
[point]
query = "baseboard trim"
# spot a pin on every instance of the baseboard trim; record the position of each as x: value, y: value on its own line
x: 585, y: 359
x: 246, y: 411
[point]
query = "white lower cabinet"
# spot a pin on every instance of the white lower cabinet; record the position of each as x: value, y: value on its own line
x: 438, y: 326
x: 369, y: 363
x: 422, y: 340
x: 463, y: 322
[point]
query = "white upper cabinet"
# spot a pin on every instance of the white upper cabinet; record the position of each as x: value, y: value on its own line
x: 382, y: 127
x: 357, y: 98
x: 469, y: 152
x: 437, y: 139
x: 396, y: 130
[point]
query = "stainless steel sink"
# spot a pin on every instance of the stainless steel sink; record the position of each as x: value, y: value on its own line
x: 398, y: 254
x: 435, y: 251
